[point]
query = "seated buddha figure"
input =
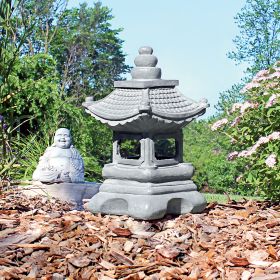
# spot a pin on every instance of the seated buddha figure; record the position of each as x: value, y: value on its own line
x: 61, y: 162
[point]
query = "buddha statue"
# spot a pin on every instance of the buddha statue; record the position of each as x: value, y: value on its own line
x: 61, y: 162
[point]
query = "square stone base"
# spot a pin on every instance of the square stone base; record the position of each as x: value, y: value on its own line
x: 147, y: 206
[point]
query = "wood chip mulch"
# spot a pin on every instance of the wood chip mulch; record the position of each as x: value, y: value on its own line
x: 43, y: 238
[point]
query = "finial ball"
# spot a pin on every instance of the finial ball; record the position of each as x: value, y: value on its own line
x: 145, y: 50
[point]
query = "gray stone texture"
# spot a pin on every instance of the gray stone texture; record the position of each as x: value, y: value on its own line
x: 70, y: 192
x: 61, y: 162
x: 147, y: 110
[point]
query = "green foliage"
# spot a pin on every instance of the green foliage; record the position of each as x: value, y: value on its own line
x: 229, y: 97
x: 255, y: 132
x: 88, y: 52
x: 220, y: 198
x: 26, y: 162
x: 165, y: 148
x: 129, y: 148
x: 258, y: 43
x: 207, y: 152
x: 50, y: 60
x: 36, y: 93
x: 91, y: 138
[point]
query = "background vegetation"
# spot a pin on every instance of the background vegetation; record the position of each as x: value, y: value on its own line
x: 258, y: 46
x: 52, y: 57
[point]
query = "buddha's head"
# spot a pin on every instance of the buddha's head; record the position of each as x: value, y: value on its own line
x: 62, y: 138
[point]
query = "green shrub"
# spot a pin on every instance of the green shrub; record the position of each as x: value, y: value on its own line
x: 254, y: 130
x: 207, y: 152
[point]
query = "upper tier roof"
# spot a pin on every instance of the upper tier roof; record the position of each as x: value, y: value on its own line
x: 145, y: 98
x: 167, y: 103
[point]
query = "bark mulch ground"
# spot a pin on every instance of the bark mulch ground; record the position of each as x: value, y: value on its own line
x: 44, y: 238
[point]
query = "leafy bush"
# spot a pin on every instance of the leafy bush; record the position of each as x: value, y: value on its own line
x: 13, y: 149
x: 50, y: 60
x: 91, y: 138
x: 254, y: 130
x: 207, y: 152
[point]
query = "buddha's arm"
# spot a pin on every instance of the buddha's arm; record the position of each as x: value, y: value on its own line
x: 76, y: 167
x: 44, y: 160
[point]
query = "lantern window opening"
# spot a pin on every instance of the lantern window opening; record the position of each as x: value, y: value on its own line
x: 129, y: 148
x: 166, y: 148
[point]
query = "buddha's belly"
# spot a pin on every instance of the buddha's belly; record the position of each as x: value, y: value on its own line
x: 61, y: 164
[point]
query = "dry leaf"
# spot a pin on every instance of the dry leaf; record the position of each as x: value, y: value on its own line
x: 233, y: 275
x: 168, y: 252
x: 242, y: 213
x: 239, y: 261
x: 210, y: 229
x: 272, y: 252
x: 195, y: 272
x: 106, y: 264
x: 128, y: 245
x: 34, y: 233
x: 121, y: 232
x: 277, y: 264
x: 256, y: 256
x: 272, y: 224
x: 33, y: 246
x: 139, y: 228
x: 121, y: 258
x: 246, y: 275
x: 81, y: 261
x: 134, y: 276
x: 66, y: 244
x: 261, y: 263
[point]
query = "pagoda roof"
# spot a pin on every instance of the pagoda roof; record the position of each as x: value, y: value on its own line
x: 146, y: 102
x: 167, y: 103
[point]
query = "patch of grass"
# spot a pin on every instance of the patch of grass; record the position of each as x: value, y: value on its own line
x: 221, y: 198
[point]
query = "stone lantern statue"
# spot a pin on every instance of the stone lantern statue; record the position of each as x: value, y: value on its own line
x: 147, y: 177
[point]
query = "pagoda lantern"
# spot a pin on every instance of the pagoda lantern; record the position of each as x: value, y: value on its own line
x: 147, y: 178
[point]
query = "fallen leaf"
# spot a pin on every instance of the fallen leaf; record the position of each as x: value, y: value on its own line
x: 121, y: 258
x: 277, y: 264
x: 33, y: 272
x: 272, y: 252
x: 106, y: 264
x: 81, y: 261
x: 194, y: 273
x: 210, y: 229
x: 267, y: 277
x: 168, y: 252
x: 134, y: 276
x: 139, y: 228
x: 256, y: 256
x: 29, y: 236
x: 128, y: 245
x: 239, y: 261
x: 33, y: 246
x: 246, y: 275
x: 121, y: 232
x: 242, y: 213
x: 272, y: 224
x: 261, y: 263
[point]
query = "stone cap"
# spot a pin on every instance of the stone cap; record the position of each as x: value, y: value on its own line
x: 145, y: 74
